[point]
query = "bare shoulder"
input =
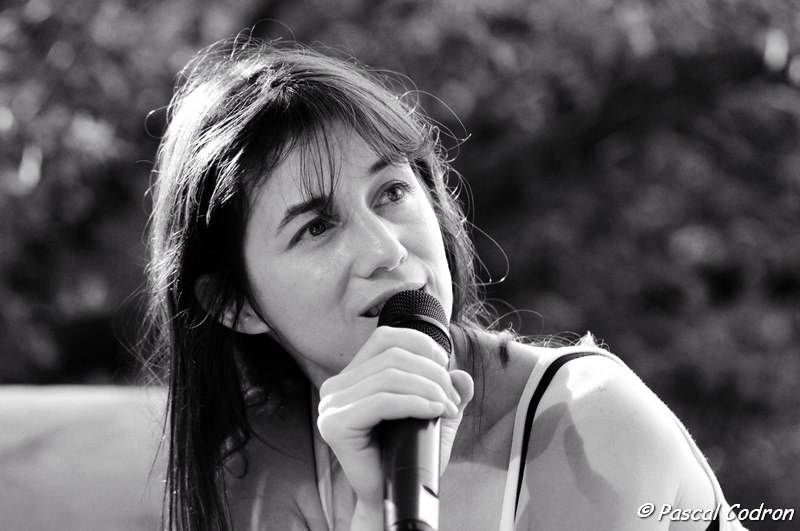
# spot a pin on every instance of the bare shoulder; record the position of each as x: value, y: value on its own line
x: 602, y: 445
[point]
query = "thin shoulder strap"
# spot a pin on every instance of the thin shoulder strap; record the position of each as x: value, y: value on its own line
x: 547, y: 377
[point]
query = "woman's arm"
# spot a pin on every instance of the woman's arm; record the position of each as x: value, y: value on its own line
x: 602, y: 446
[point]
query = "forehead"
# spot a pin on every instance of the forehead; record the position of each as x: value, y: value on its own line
x: 314, y: 168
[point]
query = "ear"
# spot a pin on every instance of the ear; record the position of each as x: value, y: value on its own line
x: 248, y: 322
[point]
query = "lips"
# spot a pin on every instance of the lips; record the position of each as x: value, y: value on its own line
x: 375, y: 308
x: 375, y: 311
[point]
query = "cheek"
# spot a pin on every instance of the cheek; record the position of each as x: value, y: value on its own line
x: 436, y: 257
x: 297, y: 287
x: 435, y: 241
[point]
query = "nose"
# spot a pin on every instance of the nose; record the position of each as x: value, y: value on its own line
x: 376, y: 245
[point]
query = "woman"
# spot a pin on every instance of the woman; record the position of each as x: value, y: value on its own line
x: 293, y: 195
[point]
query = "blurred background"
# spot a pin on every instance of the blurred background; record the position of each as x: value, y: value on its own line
x: 633, y: 168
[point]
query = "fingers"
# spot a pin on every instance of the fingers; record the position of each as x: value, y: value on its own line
x: 386, y: 337
x: 351, y: 420
x: 383, y: 370
x: 398, y: 373
x: 396, y: 381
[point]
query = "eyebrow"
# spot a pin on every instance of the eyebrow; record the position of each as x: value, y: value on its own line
x: 313, y: 204
x: 320, y: 203
x: 378, y: 166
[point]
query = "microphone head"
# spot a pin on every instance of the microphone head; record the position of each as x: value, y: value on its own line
x: 419, y: 311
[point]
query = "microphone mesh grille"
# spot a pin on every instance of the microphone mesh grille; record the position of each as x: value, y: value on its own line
x: 403, y: 309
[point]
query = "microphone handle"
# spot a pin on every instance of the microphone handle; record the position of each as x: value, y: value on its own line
x: 410, y: 458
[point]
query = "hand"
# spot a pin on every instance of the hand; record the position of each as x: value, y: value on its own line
x: 398, y: 373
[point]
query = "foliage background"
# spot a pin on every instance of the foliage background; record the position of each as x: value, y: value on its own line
x: 634, y: 168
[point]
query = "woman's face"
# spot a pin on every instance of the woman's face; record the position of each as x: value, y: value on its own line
x: 321, y: 275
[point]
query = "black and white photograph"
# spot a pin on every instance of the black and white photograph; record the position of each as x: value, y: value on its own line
x: 396, y: 265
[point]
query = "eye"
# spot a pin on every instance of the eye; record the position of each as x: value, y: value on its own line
x: 395, y: 192
x: 317, y: 227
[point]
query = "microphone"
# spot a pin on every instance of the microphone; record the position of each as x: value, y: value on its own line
x: 410, y: 448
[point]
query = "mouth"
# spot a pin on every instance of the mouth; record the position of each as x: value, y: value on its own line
x: 375, y: 310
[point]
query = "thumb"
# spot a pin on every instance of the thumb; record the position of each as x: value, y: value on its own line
x: 465, y: 387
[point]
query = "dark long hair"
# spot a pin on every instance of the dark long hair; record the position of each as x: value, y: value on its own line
x: 239, y: 108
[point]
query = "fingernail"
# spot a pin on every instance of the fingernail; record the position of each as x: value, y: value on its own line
x: 452, y: 409
x: 437, y: 408
x: 455, y: 397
